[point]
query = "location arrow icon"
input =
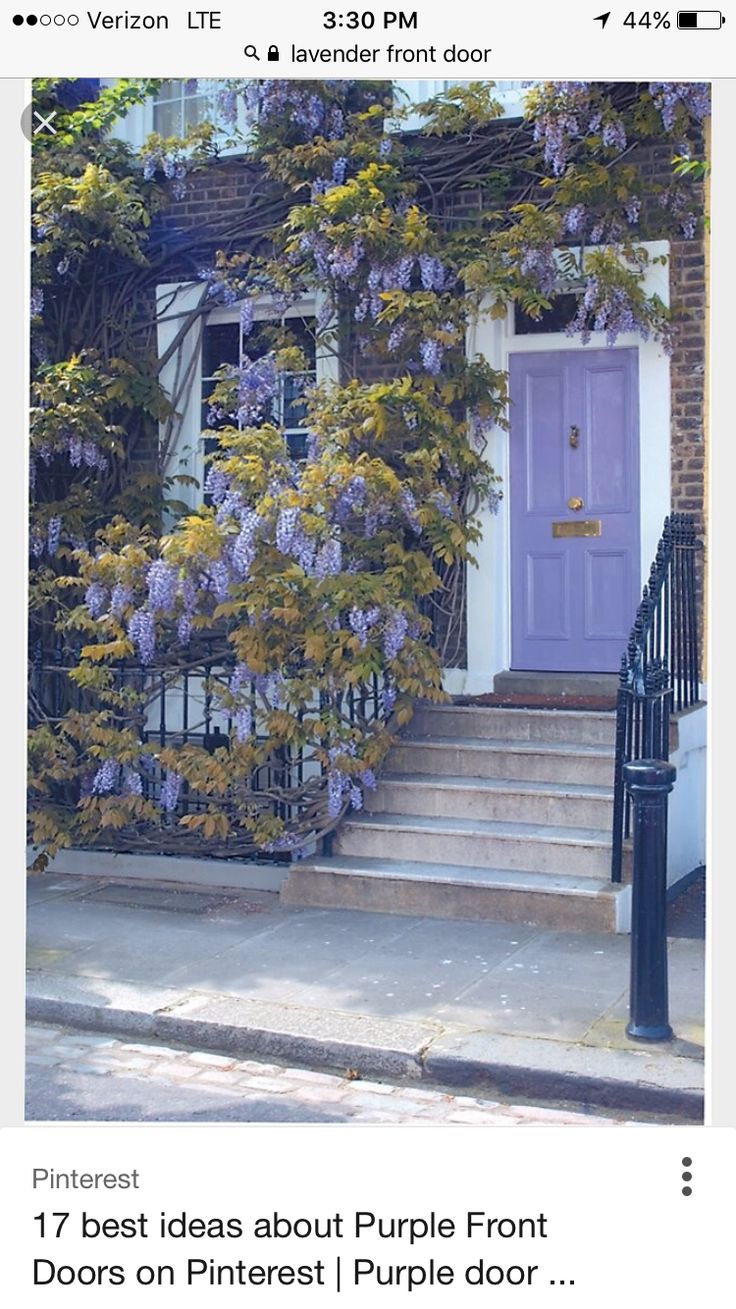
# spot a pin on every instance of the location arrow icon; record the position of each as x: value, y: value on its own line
x: 602, y: 18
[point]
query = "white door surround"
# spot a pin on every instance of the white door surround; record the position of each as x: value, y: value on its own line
x: 488, y: 588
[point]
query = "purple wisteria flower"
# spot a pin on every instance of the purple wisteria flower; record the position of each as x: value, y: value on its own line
x: 53, y: 535
x: 409, y: 506
x: 163, y: 585
x: 396, y: 337
x: 96, y: 598
x: 336, y: 784
x: 328, y: 562
x: 286, y: 527
x: 216, y: 484
x: 350, y: 499
x: 121, y: 597
x: 93, y: 456
x: 132, y: 781
x: 142, y: 632
x: 362, y: 620
x: 218, y: 580
x: 394, y: 634
x: 244, y: 549
x: 258, y: 383
x: 106, y: 777
x: 431, y: 352
x: 569, y: 116
x: 344, y: 260
x: 246, y: 317
x: 227, y: 106
x: 170, y: 788
x: 443, y: 501
x: 632, y: 209
x: 538, y: 263
x: 614, y: 134
x: 432, y: 272
x: 243, y: 724
x: 574, y: 219
x: 239, y: 676
x: 694, y: 97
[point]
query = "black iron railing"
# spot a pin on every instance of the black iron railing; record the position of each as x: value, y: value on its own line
x: 180, y: 707
x: 660, y: 668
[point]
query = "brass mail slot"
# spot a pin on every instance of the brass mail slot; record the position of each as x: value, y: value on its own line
x: 577, y: 527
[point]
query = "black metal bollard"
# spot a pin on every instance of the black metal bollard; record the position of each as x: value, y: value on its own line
x: 649, y: 782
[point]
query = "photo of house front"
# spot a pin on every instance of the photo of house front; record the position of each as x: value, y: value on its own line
x: 604, y: 443
x: 399, y: 562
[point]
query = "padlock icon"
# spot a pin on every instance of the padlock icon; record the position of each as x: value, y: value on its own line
x: 273, y: 54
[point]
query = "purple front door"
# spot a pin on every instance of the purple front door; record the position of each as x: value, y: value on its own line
x: 574, y: 488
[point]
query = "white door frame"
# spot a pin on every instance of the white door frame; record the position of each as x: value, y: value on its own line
x: 489, y: 585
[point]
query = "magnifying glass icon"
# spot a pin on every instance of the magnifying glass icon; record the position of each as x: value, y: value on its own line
x: 250, y: 52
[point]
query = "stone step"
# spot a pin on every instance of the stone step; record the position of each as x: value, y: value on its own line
x: 561, y: 804
x: 512, y: 761
x: 512, y: 682
x: 446, y: 891
x: 567, y: 726
x: 477, y: 843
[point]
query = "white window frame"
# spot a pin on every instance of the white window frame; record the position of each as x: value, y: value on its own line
x: 137, y: 125
x: 174, y: 301
x: 511, y: 95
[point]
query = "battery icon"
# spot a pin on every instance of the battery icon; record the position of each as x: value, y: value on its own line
x: 700, y: 20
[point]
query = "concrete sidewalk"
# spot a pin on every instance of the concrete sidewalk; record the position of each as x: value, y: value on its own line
x: 504, y: 1007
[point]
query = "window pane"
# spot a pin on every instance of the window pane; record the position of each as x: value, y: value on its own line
x: 170, y: 90
x: 555, y: 319
x: 221, y: 345
x: 297, y: 443
x: 197, y: 109
x: 167, y: 118
x: 302, y: 331
x: 294, y: 402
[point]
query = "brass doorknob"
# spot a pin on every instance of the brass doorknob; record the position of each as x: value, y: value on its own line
x: 574, y: 502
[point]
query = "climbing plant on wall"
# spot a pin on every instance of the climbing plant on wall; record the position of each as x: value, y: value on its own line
x: 300, y: 590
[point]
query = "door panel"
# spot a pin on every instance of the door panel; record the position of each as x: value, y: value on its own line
x: 574, y: 437
x: 548, y: 587
x: 607, y: 591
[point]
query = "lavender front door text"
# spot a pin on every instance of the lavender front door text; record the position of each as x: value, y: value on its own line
x: 574, y: 469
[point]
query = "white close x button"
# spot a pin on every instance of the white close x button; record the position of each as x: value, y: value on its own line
x: 44, y: 123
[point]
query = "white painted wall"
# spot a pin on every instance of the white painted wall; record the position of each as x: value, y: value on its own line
x: 688, y: 800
